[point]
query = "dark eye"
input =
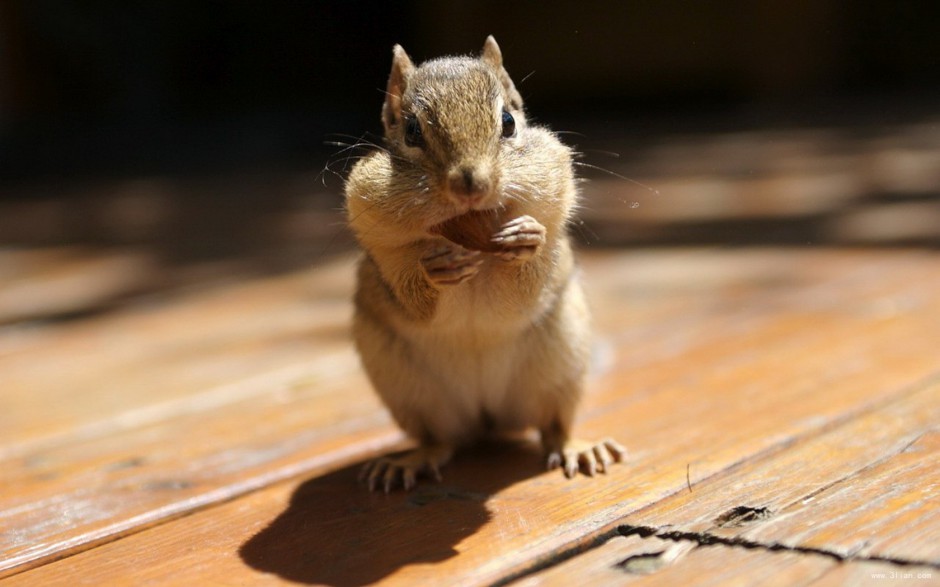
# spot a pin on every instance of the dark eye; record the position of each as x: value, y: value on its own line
x: 413, y: 136
x: 509, y: 125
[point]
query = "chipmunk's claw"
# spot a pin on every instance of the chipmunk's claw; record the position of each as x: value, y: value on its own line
x: 451, y: 264
x: 589, y: 458
x: 404, y: 469
x: 519, y: 239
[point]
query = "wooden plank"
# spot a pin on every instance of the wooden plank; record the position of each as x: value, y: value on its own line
x: 58, y: 500
x: 865, y: 488
x: 887, y: 510
x: 631, y: 560
x: 875, y: 573
x: 812, y: 184
x: 758, y: 367
x: 127, y: 419
x: 648, y: 561
x: 56, y: 281
x: 164, y: 351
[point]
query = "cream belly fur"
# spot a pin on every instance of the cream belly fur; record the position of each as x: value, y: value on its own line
x: 460, y: 369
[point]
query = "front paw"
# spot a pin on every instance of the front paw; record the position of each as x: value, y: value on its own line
x: 450, y: 264
x: 519, y: 239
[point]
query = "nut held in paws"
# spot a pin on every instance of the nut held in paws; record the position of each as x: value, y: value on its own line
x: 473, y: 230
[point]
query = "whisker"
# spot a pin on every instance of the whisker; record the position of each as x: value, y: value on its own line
x: 613, y: 154
x: 618, y: 176
x: 583, y: 229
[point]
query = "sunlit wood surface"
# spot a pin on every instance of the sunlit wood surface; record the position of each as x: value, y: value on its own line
x: 781, y: 407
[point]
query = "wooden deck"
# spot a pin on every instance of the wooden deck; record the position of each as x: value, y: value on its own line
x: 781, y: 407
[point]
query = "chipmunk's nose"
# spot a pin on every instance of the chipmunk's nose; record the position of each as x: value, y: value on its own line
x: 467, y: 182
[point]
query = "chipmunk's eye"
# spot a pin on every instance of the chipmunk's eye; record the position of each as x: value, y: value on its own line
x: 413, y: 136
x: 509, y: 125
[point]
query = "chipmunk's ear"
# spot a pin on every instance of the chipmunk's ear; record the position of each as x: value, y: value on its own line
x: 402, y: 67
x: 492, y: 56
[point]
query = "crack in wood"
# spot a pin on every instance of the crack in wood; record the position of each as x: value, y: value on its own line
x: 708, y: 539
x: 742, y: 516
x: 556, y: 558
x: 644, y: 563
x: 647, y: 563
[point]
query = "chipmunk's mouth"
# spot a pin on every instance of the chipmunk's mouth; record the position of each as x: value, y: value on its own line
x: 476, y: 202
x: 464, y: 207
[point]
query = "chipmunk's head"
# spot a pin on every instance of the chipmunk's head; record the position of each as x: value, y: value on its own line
x: 454, y: 118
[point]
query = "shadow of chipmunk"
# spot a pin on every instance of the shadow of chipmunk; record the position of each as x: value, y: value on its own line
x: 336, y: 532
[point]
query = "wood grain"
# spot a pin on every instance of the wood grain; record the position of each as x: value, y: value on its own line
x: 649, y: 561
x: 181, y: 425
x: 719, y: 363
x: 164, y: 353
x: 63, y: 281
x: 795, y: 484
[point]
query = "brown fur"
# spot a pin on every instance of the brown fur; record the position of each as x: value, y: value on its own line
x: 456, y: 339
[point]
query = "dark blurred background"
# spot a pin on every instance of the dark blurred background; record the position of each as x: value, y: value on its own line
x: 203, y: 131
x: 104, y: 87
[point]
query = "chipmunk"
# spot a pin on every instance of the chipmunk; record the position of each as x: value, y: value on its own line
x: 469, y: 316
